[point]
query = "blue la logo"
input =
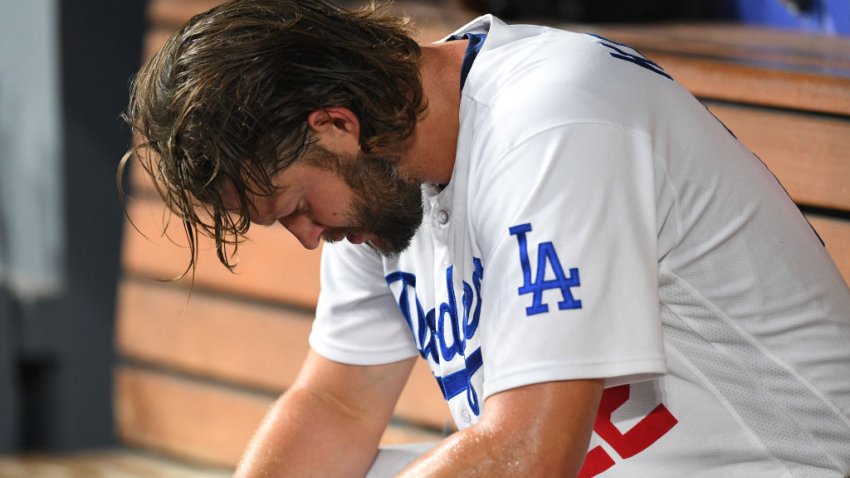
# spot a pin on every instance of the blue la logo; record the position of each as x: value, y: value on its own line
x: 546, y: 255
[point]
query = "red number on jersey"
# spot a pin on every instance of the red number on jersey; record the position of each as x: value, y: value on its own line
x: 646, y: 432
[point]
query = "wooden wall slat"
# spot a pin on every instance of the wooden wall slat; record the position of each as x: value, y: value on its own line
x: 200, y: 422
x: 722, y: 80
x: 772, y: 49
x: 154, y: 40
x: 156, y: 37
x: 744, y: 36
x: 175, y: 13
x: 768, y: 67
x: 117, y: 463
x: 181, y: 418
x: 273, y: 265
x: 445, y: 18
x: 421, y: 401
x: 245, y: 343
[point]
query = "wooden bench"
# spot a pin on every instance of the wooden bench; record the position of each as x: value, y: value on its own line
x: 196, y: 374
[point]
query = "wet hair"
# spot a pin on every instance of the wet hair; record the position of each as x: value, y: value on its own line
x: 228, y: 96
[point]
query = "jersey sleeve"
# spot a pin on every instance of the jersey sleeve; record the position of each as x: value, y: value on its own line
x: 357, y: 320
x: 566, y: 222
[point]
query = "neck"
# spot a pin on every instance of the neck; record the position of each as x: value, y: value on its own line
x: 432, y: 154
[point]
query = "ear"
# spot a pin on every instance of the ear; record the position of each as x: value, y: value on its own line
x: 335, y: 121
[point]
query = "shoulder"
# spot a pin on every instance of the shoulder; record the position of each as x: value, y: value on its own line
x: 540, y: 77
x: 517, y: 90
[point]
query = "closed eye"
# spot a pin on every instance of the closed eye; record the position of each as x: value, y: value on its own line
x: 300, y: 209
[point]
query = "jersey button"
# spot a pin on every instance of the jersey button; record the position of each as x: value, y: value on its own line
x: 442, y: 217
x: 465, y: 416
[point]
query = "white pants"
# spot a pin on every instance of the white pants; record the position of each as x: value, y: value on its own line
x: 393, y: 459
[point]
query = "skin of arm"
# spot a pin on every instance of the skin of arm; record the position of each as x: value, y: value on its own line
x: 537, y: 430
x: 328, y: 424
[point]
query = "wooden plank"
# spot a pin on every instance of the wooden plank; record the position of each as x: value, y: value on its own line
x: 743, y: 36
x: 237, y: 341
x: 199, y: 422
x: 154, y: 40
x: 111, y: 463
x: 772, y: 49
x: 836, y: 235
x: 421, y: 401
x: 174, y: 13
x: 433, y: 21
x: 424, y: 31
x: 721, y: 80
x: 240, y: 342
x: 140, y: 183
x: 273, y: 264
x: 772, y: 68
x: 808, y: 153
x: 189, y: 420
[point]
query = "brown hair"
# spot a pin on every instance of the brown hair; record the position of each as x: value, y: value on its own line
x: 227, y: 99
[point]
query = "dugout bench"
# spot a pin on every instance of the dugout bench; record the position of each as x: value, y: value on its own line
x: 197, y: 373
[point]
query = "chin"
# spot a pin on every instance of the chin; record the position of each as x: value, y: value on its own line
x: 390, y: 249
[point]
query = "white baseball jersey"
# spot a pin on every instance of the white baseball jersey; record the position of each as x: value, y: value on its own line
x: 601, y: 223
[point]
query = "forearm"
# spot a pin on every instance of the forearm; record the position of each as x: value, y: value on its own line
x: 476, y: 453
x: 514, y: 438
x: 328, y: 424
x: 304, y: 435
x: 471, y: 453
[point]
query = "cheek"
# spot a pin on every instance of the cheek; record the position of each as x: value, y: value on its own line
x: 333, y: 206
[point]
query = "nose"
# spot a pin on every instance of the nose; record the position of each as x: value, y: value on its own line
x: 308, y: 233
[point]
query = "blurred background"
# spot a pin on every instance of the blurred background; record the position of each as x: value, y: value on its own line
x: 64, y: 68
x: 106, y: 370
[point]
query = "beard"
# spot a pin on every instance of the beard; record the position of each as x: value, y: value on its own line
x: 385, y: 205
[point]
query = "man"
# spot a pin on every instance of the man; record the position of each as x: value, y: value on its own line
x: 602, y: 279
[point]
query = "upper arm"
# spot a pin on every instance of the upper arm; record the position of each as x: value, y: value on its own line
x: 549, y: 423
x: 569, y: 259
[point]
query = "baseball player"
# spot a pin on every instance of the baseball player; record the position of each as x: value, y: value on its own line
x: 603, y: 280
